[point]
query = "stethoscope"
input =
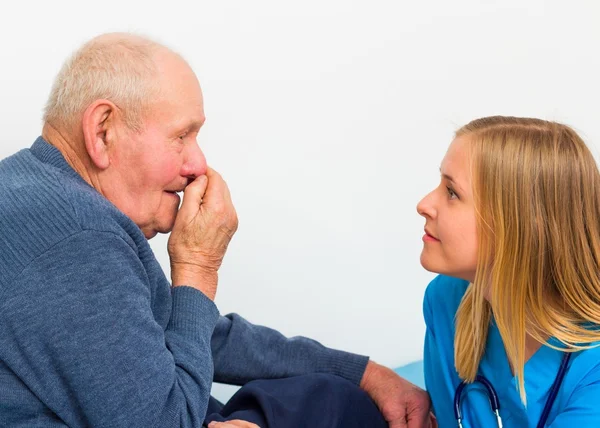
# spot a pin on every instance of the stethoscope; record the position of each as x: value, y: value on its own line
x: 495, y: 403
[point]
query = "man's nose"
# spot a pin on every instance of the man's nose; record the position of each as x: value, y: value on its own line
x: 194, y: 164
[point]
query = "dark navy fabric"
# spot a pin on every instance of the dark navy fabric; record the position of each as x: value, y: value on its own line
x: 315, y: 401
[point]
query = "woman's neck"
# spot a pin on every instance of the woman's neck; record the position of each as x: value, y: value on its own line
x: 531, y: 347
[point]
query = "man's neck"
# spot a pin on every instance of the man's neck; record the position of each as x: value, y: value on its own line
x: 73, y: 151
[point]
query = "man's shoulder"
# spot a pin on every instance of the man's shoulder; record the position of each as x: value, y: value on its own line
x: 33, y: 191
x: 34, y: 204
x: 42, y: 206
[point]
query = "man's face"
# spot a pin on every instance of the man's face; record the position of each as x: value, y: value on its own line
x: 148, y: 168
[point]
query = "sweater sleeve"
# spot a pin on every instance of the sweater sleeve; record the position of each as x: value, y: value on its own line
x: 243, y: 352
x: 82, y: 337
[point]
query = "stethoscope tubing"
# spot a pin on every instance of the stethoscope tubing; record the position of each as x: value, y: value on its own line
x: 495, y: 402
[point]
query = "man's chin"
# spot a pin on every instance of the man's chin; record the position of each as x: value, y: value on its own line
x: 167, y: 227
x: 149, y: 232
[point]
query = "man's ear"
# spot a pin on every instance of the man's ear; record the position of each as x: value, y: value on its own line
x: 98, y: 118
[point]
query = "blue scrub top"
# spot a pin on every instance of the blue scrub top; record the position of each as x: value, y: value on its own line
x: 577, y: 404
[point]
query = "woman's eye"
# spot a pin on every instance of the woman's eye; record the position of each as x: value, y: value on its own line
x: 451, y: 193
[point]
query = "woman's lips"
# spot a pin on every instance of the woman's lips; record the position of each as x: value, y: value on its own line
x: 429, y: 237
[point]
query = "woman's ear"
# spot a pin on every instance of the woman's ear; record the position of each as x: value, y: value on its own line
x: 97, y: 120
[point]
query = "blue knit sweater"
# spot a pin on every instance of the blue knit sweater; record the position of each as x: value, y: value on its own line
x: 91, y: 333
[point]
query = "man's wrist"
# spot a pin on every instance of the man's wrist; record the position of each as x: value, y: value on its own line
x: 203, y: 280
x: 368, y: 374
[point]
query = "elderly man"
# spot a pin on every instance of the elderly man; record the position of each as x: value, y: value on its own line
x: 91, y: 331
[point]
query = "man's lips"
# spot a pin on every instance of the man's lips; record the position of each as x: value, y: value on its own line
x: 177, y: 190
x: 173, y: 194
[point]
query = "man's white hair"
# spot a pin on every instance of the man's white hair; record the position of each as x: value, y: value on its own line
x: 118, y: 67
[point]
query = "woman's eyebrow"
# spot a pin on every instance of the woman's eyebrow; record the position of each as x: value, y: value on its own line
x: 449, y: 178
x: 446, y: 176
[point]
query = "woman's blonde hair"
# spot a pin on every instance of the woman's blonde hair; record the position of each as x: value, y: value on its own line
x: 536, y: 189
x: 118, y: 67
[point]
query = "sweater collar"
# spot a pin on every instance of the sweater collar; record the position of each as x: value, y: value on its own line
x: 50, y: 155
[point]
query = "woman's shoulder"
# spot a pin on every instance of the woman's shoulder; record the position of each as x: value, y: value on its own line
x: 443, y: 296
x: 585, y: 365
x: 578, y: 396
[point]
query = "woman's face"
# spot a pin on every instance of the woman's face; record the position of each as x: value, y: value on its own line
x: 450, y: 240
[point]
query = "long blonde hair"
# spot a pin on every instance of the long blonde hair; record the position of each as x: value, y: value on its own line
x: 536, y: 189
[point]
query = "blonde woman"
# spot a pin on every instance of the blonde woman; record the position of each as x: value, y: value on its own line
x: 513, y: 321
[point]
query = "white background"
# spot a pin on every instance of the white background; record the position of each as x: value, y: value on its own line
x: 328, y: 120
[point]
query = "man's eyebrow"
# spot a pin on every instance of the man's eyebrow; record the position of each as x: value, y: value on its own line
x: 196, y: 124
x: 190, y: 125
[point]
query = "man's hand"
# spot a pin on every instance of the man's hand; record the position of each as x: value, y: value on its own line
x: 232, y: 424
x: 433, y: 420
x: 401, y: 403
x: 203, y: 228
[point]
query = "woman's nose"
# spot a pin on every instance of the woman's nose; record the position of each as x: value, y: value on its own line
x: 425, y: 206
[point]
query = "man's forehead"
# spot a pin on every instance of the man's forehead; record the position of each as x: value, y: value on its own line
x: 174, y: 119
x: 193, y: 123
x: 179, y: 107
x: 170, y: 65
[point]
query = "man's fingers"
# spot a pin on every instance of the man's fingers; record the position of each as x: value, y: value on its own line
x: 226, y: 194
x: 415, y: 417
x: 418, y: 418
x: 217, y: 190
x: 192, y: 196
x: 433, y: 421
